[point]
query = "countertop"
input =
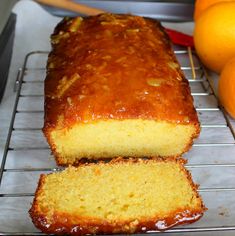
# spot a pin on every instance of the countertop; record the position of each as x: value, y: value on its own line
x: 33, y: 28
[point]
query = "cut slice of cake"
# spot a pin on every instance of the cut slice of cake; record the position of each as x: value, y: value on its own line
x: 124, y: 196
x: 114, y: 88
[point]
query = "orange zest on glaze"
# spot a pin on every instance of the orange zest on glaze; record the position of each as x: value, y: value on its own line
x: 126, y: 70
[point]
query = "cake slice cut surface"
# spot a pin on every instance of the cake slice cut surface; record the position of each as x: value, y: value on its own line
x: 124, y: 196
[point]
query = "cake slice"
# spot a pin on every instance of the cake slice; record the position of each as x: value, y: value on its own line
x: 124, y: 196
x: 114, y: 88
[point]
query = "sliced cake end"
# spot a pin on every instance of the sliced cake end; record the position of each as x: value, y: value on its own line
x: 124, y: 196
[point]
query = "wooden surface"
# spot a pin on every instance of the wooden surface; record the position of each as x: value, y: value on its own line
x: 72, y: 6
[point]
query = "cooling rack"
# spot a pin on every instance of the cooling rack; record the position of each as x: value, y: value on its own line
x: 211, y: 159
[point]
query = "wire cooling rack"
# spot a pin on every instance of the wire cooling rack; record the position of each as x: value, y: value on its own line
x: 211, y: 159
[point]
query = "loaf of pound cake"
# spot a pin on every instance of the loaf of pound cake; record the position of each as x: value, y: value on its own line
x: 116, y: 197
x: 114, y: 88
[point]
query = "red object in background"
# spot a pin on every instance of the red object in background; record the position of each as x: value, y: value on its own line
x: 180, y: 38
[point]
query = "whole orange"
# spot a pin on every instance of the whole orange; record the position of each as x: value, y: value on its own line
x: 214, y: 35
x: 227, y: 87
x: 201, y: 5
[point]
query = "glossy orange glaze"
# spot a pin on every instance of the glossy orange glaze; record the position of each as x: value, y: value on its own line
x: 66, y: 224
x: 114, y: 67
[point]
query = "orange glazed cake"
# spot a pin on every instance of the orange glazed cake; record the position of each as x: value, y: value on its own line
x: 114, y: 88
x: 116, y: 197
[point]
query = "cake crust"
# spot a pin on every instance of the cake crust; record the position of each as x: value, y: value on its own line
x: 73, y: 224
x: 64, y: 225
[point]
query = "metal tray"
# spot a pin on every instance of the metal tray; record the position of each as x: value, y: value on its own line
x: 168, y: 10
x: 211, y: 159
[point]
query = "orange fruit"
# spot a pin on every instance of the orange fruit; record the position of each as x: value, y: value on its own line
x: 214, y: 35
x: 227, y: 87
x: 201, y: 5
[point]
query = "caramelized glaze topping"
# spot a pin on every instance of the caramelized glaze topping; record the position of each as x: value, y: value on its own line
x: 114, y: 67
x: 65, y: 224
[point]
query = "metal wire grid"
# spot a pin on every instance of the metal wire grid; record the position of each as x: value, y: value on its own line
x: 198, y: 76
